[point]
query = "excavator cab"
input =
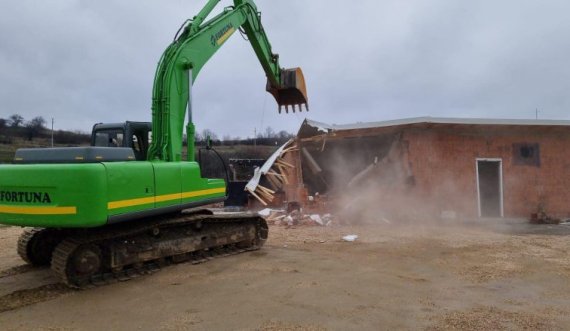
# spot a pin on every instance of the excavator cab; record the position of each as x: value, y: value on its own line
x: 293, y: 91
x: 135, y: 135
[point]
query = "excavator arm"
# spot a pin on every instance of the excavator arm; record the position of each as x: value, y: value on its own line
x: 182, y: 61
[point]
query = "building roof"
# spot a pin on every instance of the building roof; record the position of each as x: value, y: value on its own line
x: 433, y: 120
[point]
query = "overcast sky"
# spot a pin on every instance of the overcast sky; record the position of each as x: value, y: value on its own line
x: 83, y: 62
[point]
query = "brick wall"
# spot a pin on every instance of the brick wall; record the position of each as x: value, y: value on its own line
x: 443, y: 162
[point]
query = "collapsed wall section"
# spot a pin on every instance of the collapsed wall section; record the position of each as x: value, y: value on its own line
x: 431, y: 170
x: 425, y: 170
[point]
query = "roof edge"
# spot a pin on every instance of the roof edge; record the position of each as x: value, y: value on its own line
x: 435, y: 120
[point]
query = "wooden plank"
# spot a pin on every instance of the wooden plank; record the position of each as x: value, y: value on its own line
x: 274, y: 181
x: 285, y: 164
x: 278, y: 179
x: 265, y: 189
x: 257, y: 197
x: 282, y: 170
x: 273, y: 173
x: 283, y: 174
x: 265, y: 195
x: 272, y: 184
x: 285, y: 151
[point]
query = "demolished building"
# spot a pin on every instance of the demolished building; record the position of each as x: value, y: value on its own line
x: 441, y: 167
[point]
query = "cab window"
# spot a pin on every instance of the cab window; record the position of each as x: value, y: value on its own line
x: 109, y: 138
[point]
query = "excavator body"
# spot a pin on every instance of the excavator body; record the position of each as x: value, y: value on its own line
x: 94, y: 192
x: 105, y: 212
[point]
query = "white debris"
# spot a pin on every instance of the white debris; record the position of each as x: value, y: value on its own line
x: 266, y: 167
x: 289, y: 220
x: 271, y: 214
x: 264, y: 212
x: 350, y: 237
x: 327, y: 219
x: 317, y: 219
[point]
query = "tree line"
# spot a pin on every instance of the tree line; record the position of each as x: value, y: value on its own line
x: 17, y: 126
x: 267, y: 137
x: 32, y: 127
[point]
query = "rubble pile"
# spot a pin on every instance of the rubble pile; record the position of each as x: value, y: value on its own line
x: 295, y: 217
x: 542, y: 217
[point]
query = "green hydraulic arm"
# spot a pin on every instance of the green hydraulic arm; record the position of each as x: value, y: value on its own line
x: 181, y: 62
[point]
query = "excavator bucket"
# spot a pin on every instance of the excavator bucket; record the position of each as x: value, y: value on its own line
x: 293, y: 91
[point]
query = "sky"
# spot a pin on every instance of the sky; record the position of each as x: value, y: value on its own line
x: 83, y: 62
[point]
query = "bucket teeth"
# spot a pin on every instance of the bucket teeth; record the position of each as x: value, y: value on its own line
x: 290, y: 91
x: 294, y: 108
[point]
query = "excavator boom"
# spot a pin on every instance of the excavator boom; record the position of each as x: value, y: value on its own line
x: 183, y: 60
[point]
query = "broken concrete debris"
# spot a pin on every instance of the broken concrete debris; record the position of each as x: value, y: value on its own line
x: 317, y: 219
x: 542, y: 217
x: 294, y: 217
x: 350, y: 237
x: 264, y: 212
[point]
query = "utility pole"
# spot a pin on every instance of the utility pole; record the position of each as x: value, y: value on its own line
x: 254, y: 138
x: 52, y: 132
x: 536, y: 112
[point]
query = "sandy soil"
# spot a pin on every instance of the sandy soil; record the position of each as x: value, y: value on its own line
x: 509, y: 276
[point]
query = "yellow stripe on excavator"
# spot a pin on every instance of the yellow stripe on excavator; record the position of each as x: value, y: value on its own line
x: 225, y: 36
x: 162, y: 198
x: 33, y: 210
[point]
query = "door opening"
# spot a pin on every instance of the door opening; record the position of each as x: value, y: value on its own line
x: 490, y: 187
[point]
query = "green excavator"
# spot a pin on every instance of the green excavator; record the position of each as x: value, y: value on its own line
x: 99, y: 214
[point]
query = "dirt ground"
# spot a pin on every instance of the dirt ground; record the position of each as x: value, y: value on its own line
x: 486, y: 276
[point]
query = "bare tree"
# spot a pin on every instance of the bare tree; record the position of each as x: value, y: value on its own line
x: 16, y: 120
x: 284, y: 135
x: 3, y: 123
x: 209, y: 133
x: 35, y: 127
x: 269, y: 132
x: 197, y: 137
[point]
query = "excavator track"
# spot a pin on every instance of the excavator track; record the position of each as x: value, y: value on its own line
x: 118, y: 253
x: 35, y: 245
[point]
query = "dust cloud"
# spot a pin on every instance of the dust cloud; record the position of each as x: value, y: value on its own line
x: 380, y: 188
